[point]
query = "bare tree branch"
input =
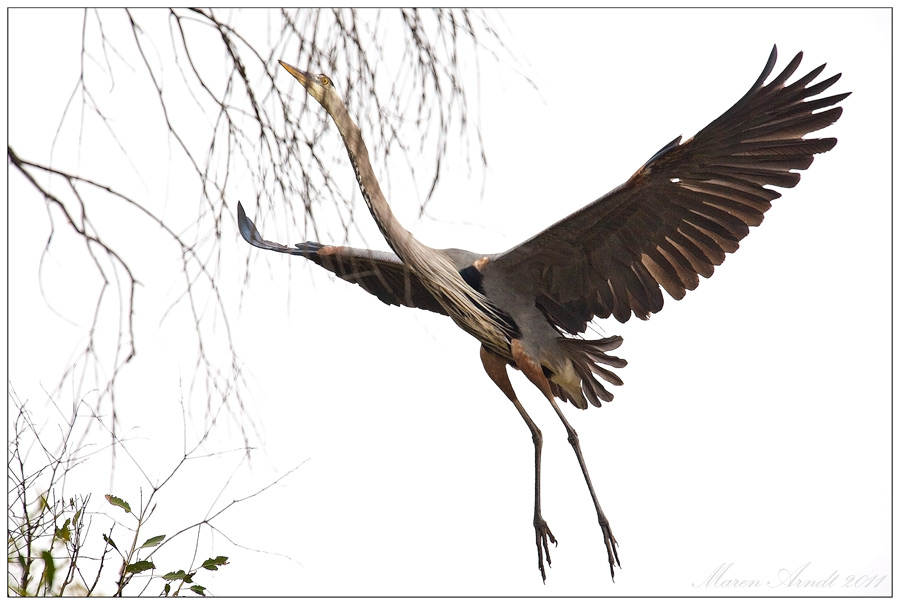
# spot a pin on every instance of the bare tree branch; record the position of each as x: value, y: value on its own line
x: 239, y: 119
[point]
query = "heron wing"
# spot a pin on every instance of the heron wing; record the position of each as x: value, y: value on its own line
x: 382, y: 274
x: 680, y: 213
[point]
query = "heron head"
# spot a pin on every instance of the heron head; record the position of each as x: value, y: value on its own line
x: 319, y: 86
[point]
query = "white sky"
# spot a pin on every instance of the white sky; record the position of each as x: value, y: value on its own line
x: 753, y: 428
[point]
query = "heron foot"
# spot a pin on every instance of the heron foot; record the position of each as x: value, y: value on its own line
x: 541, y: 534
x: 611, y: 544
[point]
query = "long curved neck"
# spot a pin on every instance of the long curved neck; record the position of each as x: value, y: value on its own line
x: 467, y: 307
x: 398, y: 238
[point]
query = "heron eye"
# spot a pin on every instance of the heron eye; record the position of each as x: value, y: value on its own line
x: 324, y: 80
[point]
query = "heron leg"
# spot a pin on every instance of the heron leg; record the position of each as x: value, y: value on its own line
x: 535, y: 373
x: 608, y: 538
x: 495, y: 366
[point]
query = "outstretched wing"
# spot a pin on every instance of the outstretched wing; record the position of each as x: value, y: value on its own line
x: 380, y: 273
x: 678, y: 215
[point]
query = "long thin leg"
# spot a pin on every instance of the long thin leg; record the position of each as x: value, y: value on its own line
x: 532, y: 369
x: 608, y: 538
x: 495, y: 366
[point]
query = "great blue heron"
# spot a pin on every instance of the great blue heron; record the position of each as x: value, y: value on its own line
x: 672, y: 221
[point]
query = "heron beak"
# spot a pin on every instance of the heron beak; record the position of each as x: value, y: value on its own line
x: 302, y: 76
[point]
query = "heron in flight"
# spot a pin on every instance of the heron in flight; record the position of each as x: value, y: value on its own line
x: 671, y: 222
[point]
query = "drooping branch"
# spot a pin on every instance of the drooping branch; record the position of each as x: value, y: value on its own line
x: 237, y: 122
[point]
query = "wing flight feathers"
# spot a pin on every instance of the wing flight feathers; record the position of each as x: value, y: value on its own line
x: 678, y: 216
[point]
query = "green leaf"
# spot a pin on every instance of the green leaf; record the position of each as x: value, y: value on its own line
x: 49, y: 568
x: 63, y: 532
x: 167, y: 588
x: 109, y: 541
x: 174, y: 575
x: 153, y: 541
x: 118, y: 502
x: 139, y: 566
x: 198, y: 589
x: 188, y: 578
x: 213, y: 564
x: 77, y: 517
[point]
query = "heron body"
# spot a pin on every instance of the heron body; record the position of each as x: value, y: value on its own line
x: 673, y: 221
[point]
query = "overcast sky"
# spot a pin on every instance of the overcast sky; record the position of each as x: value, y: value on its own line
x: 753, y: 428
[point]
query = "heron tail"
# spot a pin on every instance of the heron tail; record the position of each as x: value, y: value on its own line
x: 586, y: 356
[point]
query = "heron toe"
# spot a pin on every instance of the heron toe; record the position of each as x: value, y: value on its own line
x: 541, y: 534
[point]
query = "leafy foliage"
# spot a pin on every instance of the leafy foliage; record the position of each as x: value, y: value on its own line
x: 48, y: 537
